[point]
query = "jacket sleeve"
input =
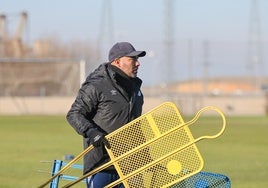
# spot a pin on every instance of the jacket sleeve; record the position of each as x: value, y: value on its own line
x: 82, y: 111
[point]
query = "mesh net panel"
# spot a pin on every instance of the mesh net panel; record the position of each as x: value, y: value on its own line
x: 39, y: 78
x: 151, y: 150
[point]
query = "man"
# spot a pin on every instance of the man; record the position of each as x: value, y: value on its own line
x: 108, y: 99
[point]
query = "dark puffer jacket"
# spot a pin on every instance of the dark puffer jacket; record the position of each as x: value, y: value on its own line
x: 106, y: 101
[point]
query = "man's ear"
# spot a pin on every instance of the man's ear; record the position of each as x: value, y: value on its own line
x: 116, y: 62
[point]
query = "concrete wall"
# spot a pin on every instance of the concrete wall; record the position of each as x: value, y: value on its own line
x: 230, y: 105
x: 239, y: 105
x: 35, y: 105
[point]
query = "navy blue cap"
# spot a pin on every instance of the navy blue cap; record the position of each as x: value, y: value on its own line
x: 122, y: 49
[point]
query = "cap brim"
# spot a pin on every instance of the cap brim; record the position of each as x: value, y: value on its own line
x: 136, y: 53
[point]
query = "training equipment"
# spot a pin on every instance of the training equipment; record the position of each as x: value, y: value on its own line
x: 57, y: 166
x: 204, y: 180
x: 67, y: 166
x: 199, y: 180
x: 155, y: 150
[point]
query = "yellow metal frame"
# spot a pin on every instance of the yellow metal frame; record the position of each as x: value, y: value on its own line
x: 155, y: 150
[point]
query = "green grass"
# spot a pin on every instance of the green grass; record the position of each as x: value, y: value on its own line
x: 27, y: 140
x: 240, y: 153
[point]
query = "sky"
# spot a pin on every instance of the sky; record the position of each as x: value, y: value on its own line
x: 209, y: 37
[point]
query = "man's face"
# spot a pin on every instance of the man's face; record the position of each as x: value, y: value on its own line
x: 129, y: 65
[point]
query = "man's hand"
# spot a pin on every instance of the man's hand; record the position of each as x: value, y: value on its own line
x: 97, y: 138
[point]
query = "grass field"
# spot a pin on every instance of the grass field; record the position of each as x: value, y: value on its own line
x: 241, y: 153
